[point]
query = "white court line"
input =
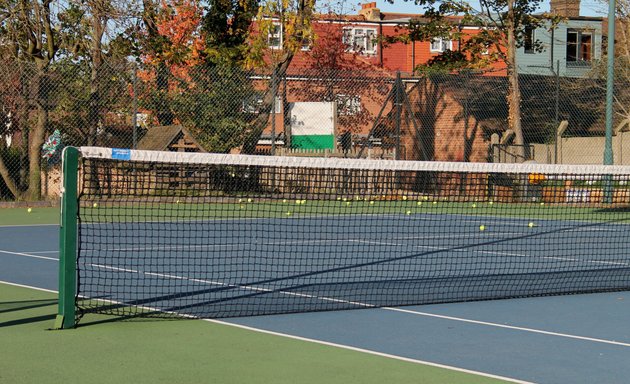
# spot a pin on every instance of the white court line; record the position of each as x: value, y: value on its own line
x: 28, y: 255
x: 27, y: 225
x: 497, y: 325
x: 366, y: 305
x: 369, y: 351
x: 327, y: 343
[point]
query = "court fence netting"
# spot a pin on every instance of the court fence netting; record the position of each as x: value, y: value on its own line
x: 148, y: 233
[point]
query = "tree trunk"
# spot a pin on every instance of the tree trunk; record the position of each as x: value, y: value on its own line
x: 34, y: 154
x: 97, y: 61
x: 514, y: 91
x: 8, y: 181
x: 259, y: 124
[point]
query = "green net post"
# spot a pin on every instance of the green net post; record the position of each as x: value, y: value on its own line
x: 68, y: 240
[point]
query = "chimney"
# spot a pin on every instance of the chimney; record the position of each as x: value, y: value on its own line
x: 370, y: 12
x: 566, y: 8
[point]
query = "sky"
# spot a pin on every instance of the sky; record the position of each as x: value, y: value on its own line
x: 587, y: 7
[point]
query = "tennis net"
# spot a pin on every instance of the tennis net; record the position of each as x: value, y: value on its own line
x: 213, y: 235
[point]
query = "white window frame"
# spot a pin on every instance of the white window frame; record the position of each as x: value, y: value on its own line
x: 438, y: 45
x: 253, y: 105
x: 348, y: 105
x: 578, y: 46
x: 360, y: 39
x: 276, y: 32
x: 533, y: 40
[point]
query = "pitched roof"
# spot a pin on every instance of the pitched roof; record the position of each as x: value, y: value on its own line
x: 159, y: 138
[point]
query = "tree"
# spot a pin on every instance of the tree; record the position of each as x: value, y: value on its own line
x: 503, y: 28
x: 292, y: 19
x: 33, y: 33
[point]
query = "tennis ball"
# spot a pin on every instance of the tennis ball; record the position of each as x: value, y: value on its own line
x: 425, y: 198
x: 240, y: 200
x: 531, y: 225
x: 242, y: 206
x: 404, y: 197
x: 339, y: 198
x: 408, y: 212
x: 344, y: 199
x: 435, y: 202
x: 482, y: 227
x: 474, y: 205
x: 371, y: 203
x: 347, y: 203
x: 297, y: 201
x: 95, y: 205
x: 419, y: 202
x: 303, y: 202
x: 288, y: 213
x: 249, y: 200
x: 284, y: 200
x: 542, y: 203
x: 29, y: 210
x: 177, y: 202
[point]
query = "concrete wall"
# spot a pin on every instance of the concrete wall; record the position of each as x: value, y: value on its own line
x: 584, y: 150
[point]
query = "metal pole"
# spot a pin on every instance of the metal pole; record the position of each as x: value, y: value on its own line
x: 610, y: 84
x: 557, y: 117
x: 398, y: 101
x: 134, y: 107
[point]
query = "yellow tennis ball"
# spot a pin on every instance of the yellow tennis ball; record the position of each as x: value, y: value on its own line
x: 284, y: 200
x: 408, y: 212
x: 29, y: 210
x: 491, y: 202
x: 95, y: 205
x: 404, y: 197
x: 371, y: 203
x: 542, y: 203
x: 289, y: 213
x: 303, y: 202
x: 249, y: 200
x: 435, y: 202
x: 297, y: 201
x: 419, y: 202
x: 482, y: 227
x: 531, y: 225
x: 474, y: 205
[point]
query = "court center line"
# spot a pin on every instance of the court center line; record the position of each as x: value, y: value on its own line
x: 511, y: 327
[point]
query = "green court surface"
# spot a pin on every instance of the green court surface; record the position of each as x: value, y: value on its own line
x: 21, y: 216
x: 104, y: 350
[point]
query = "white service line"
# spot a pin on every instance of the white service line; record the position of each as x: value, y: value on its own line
x: 512, y: 327
x: 28, y: 255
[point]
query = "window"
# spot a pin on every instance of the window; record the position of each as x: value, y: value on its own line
x: 348, y: 105
x: 274, y: 37
x: 362, y: 40
x: 529, y: 40
x: 579, y: 47
x: 440, y: 45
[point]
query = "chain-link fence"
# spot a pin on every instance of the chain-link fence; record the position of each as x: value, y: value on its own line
x: 303, y: 112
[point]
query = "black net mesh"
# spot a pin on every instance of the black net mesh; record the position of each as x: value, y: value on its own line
x: 262, y: 235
